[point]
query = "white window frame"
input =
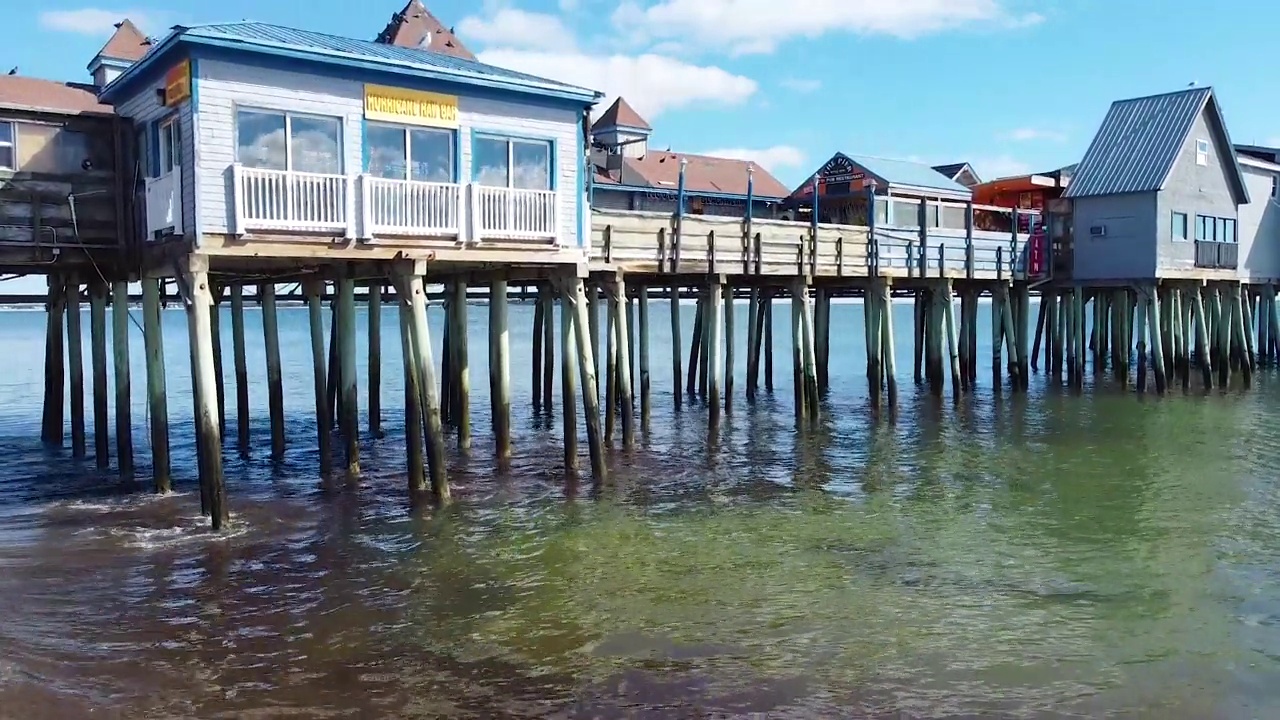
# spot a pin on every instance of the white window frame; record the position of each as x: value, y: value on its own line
x: 1202, y: 151
x: 511, y: 141
x: 451, y: 133
x: 170, y: 153
x: 1187, y: 232
x: 289, y: 115
x: 12, y: 144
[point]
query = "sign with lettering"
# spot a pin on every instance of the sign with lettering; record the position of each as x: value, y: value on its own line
x: 840, y: 169
x: 177, y: 84
x: 411, y: 107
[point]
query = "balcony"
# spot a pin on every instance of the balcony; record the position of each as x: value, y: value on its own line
x: 400, y: 207
x: 287, y: 201
x: 290, y: 201
x: 1217, y: 255
x: 164, y: 205
x: 513, y: 214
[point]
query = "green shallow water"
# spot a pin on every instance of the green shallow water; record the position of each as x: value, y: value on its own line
x: 1038, y: 556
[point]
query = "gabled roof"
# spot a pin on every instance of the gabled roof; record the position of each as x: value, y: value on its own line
x: 25, y: 93
x: 413, y: 24
x: 275, y: 40
x: 953, y: 170
x: 128, y: 43
x: 896, y: 174
x: 620, y: 114
x: 703, y: 174
x: 1141, y: 140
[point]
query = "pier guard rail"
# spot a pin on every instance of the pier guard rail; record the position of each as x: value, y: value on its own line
x: 661, y: 243
x: 364, y: 206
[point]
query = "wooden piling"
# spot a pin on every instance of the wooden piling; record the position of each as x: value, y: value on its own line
x: 593, y: 307
x: 547, y: 299
x: 695, y: 348
x: 888, y: 360
x: 52, y: 429
x: 642, y: 299
x: 275, y: 377
x: 409, y: 288
x: 822, y: 337
x: 729, y: 343
x: 1155, y: 329
x: 1141, y: 320
x: 500, y: 369
x: 206, y: 394
x: 753, y: 341
x: 347, y: 383
x: 797, y: 354
x: 569, y: 385
x: 539, y: 318
x: 1240, y: 333
x: 124, y: 402
x: 921, y: 315
x: 812, y: 397
x: 459, y: 366
x: 1204, y: 357
x: 375, y: 357
x: 313, y: 289
x: 157, y: 402
x: 966, y: 298
x: 714, y: 326
x: 618, y: 306
x: 1022, y: 299
x: 98, y: 352
x: 675, y: 345
x: 610, y: 364
x: 768, y: 342
x: 1041, y: 314
x: 575, y: 295
x: 871, y: 317
x: 241, y: 367
x: 219, y: 383
x: 413, y: 421
x: 953, y: 353
x: 75, y: 363
x: 704, y: 348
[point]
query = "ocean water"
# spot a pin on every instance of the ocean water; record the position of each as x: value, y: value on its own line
x: 1024, y: 556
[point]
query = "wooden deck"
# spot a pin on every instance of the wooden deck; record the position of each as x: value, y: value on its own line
x: 662, y: 244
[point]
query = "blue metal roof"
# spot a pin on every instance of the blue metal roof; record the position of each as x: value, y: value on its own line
x: 910, y: 174
x: 1140, y: 141
x: 320, y: 47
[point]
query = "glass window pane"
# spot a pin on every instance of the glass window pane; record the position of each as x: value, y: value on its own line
x: 316, y: 145
x: 6, y: 133
x: 489, y: 156
x: 386, y: 152
x: 532, y: 165
x: 6, y: 157
x: 431, y: 155
x: 261, y: 140
x: 1231, y: 231
x: 38, y: 148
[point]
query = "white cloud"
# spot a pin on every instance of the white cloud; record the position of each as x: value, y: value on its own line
x: 771, y: 158
x: 569, y: 5
x: 1028, y: 134
x: 652, y: 84
x: 95, y: 21
x: 756, y: 26
x: 512, y: 28
x: 999, y: 166
x: 802, y: 85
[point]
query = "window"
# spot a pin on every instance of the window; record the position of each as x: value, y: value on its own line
x: 400, y: 153
x: 169, y: 149
x: 8, y: 157
x: 1202, y: 152
x: 273, y: 140
x: 502, y: 162
x: 1179, y: 226
x: 1215, y: 229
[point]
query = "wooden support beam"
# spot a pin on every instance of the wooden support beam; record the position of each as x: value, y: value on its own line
x: 539, y: 319
x: 98, y: 350
x: 459, y: 366
x: 215, y: 329
x: 206, y: 394
x: 642, y: 300
x: 617, y: 292
x: 569, y: 386
x: 695, y: 347
x: 889, y: 363
x: 753, y: 341
x: 500, y: 369
x: 75, y: 363
x: 675, y: 345
x: 953, y: 353
x: 275, y: 378
x: 768, y: 342
x: 409, y: 288
x: 348, y: 402
x: 124, y: 397
x: 810, y: 354
x: 575, y: 295
x: 313, y: 289
x: 413, y: 420
x: 729, y: 342
x: 547, y: 299
x: 241, y: 368
x: 871, y: 318
x: 157, y: 401
x: 54, y: 374
x: 711, y: 362
x: 375, y: 357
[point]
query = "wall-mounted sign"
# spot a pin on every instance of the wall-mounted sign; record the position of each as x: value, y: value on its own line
x: 177, y: 83
x: 841, y: 169
x: 411, y: 107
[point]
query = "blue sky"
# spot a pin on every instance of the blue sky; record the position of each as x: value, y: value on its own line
x: 1009, y: 85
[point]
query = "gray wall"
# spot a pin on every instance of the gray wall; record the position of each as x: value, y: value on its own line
x: 1128, y: 250
x: 1195, y: 190
x: 144, y: 109
x: 1259, y: 228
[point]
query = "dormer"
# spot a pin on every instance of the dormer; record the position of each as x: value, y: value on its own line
x: 125, y: 47
x: 620, y: 132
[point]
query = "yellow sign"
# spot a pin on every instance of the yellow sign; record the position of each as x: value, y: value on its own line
x: 177, y: 84
x: 412, y: 107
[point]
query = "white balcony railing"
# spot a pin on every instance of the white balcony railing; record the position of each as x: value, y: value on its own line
x: 164, y: 204
x: 293, y: 201
x: 513, y: 214
x: 401, y: 207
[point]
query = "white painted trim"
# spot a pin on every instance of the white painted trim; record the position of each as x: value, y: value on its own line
x: 1253, y: 162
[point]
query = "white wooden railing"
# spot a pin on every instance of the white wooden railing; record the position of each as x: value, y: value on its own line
x: 400, y: 207
x: 164, y: 204
x: 513, y: 214
x: 293, y: 201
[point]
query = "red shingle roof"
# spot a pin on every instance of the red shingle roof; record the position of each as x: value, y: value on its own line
x: 128, y: 43
x: 25, y: 93
x: 621, y: 114
x: 703, y: 174
x: 411, y: 25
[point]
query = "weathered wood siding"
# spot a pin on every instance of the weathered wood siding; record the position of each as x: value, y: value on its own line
x: 145, y: 110
x: 224, y: 86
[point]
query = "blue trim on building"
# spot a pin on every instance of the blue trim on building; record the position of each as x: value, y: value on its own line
x: 348, y: 65
x: 552, y: 164
x: 580, y: 195
x: 457, y: 155
x: 194, y: 102
x: 364, y: 145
